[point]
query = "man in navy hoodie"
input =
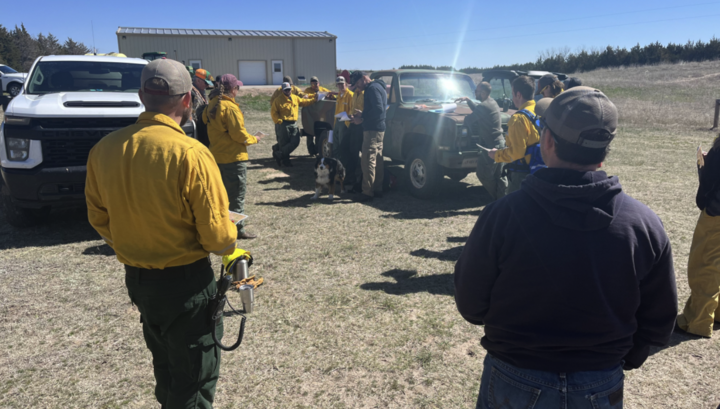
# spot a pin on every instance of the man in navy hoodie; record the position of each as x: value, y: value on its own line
x: 572, y: 279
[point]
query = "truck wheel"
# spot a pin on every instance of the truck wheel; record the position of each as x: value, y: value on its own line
x: 14, y: 89
x: 325, y: 148
x: 458, y: 175
x: 424, y: 174
x: 19, y: 216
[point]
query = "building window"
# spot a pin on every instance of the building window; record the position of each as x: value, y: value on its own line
x: 196, y: 64
x: 277, y: 67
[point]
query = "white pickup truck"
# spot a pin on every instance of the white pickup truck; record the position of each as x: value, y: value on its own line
x: 11, y: 81
x: 67, y: 104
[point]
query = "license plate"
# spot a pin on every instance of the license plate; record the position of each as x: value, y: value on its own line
x: 469, y: 163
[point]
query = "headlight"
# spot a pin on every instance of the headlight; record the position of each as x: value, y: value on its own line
x: 17, y: 149
x: 16, y: 120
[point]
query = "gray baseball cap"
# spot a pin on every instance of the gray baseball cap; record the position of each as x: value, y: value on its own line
x: 340, y: 80
x: 314, y: 79
x: 172, y: 72
x: 582, y: 109
x: 286, y: 85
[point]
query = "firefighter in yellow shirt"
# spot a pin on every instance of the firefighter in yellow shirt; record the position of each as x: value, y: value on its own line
x: 521, y: 134
x: 284, y: 112
x: 156, y: 197
x: 341, y: 132
x: 315, y: 87
x: 229, y: 141
x: 295, y: 90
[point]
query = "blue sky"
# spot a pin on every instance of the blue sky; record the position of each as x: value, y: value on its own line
x: 386, y: 34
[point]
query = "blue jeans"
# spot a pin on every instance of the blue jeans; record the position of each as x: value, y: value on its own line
x: 507, y: 386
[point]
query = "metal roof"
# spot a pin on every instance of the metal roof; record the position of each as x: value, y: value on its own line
x: 236, y: 33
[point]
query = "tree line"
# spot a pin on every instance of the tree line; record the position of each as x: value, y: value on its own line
x: 19, y: 49
x: 585, y: 60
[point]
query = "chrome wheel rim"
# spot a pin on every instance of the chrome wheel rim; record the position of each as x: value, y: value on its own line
x: 418, y: 173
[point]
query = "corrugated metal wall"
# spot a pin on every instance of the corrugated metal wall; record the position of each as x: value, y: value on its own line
x: 221, y: 56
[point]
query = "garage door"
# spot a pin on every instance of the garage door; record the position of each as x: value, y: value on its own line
x: 253, y: 73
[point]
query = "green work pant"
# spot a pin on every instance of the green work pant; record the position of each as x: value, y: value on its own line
x: 177, y: 329
x: 288, y: 138
x: 515, y: 180
x: 491, y: 174
x: 234, y: 177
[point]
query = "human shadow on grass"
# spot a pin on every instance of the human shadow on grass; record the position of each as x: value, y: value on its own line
x: 452, y: 254
x: 301, y: 176
x: 65, y: 226
x: 407, y: 282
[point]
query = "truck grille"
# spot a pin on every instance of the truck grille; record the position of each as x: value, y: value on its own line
x: 75, y: 123
x: 72, y: 152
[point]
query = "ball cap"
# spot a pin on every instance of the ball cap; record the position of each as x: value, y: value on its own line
x: 581, y: 109
x: 204, y: 75
x: 544, y: 81
x: 172, y: 72
x: 314, y: 79
x: 229, y: 81
x: 286, y: 85
x: 340, y: 80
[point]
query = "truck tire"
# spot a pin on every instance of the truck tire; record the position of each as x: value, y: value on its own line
x: 14, y: 89
x: 19, y: 216
x: 423, y: 173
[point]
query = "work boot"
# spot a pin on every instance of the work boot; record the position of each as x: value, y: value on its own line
x: 246, y: 236
x: 278, y: 158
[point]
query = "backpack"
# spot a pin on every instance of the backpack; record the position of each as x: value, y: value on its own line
x: 536, y: 161
x: 201, y: 133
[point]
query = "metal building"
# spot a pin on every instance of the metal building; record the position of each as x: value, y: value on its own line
x: 255, y: 57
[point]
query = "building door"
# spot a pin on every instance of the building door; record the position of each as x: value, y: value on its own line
x: 277, y: 70
x: 252, y: 72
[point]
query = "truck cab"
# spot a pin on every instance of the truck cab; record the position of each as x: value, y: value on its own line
x: 423, y: 130
x: 67, y: 105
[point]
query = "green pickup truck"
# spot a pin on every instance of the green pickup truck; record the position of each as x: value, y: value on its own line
x: 432, y: 144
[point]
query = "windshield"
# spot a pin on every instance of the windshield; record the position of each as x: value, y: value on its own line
x: 84, y: 76
x: 433, y: 88
x: 6, y: 70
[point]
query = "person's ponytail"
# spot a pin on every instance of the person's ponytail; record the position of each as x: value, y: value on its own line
x: 213, y: 110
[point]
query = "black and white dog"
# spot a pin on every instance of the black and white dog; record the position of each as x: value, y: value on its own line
x: 328, y: 171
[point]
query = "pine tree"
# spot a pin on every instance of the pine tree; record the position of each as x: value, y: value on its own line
x: 72, y: 48
x: 9, y: 53
x: 27, y: 47
x: 48, y: 45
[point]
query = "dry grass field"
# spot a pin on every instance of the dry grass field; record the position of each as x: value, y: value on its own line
x: 358, y: 308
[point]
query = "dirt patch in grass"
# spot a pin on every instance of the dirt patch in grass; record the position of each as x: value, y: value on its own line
x: 357, y: 311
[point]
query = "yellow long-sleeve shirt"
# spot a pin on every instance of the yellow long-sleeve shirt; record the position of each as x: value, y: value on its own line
x: 310, y: 90
x: 344, y: 104
x: 521, y: 134
x: 358, y: 100
x: 228, y: 137
x: 156, y: 196
x: 286, y: 108
x: 278, y: 92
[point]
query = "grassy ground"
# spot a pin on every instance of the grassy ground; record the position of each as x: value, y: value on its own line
x: 358, y: 310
